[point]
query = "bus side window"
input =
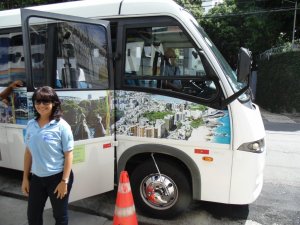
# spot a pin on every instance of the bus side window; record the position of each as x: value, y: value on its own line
x: 12, y: 66
x: 164, y: 58
x: 75, y: 55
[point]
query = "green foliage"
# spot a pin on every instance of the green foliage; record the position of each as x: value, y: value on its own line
x: 278, y: 83
x: 85, y: 104
x: 197, y: 123
x: 153, y: 116
x: 198, y: 107
x: 236, y: 24
x: 91, y: 109
x: 70, y: 109
x: 224, y: 31
x: 282, y: 39
x: 178, y: 124
x: 94, y: 109
x: 259, y: 33
x: 194, y: 6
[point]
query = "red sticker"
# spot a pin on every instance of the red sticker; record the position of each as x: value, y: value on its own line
x: 201, y: 151
x: 107, y: 145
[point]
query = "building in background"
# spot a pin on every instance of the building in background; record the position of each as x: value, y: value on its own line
x: 209, y: 4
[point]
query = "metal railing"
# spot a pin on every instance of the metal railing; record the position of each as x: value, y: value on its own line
x: 278, y: 50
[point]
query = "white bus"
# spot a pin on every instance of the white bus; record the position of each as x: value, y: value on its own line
x: 194, y: 134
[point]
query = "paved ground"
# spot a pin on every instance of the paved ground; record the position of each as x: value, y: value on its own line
x: 13, y: 212
x: 280, y: 118
x: 281, y: 122
x: 13, y: 205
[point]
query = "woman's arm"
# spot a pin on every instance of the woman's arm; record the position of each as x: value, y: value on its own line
x: 26, y: 173
x: 62, y: 187
x: 67, y: 165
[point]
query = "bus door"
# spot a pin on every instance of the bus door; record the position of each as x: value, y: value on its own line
x: 169, y: 99
x: 73, y: 55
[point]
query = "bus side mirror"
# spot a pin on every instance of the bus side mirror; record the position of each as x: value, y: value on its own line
x: 244, y: 65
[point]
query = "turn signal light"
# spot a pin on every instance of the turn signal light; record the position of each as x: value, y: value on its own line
x: 208, y: 159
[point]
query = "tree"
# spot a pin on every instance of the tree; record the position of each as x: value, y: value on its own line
x: 257, y: 26
x: 194, y: 6
x: 224, y: 30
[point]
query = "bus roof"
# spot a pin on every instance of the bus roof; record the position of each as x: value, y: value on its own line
x: 95, y: 9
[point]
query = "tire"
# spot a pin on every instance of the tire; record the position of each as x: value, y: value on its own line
x: 149, y: 192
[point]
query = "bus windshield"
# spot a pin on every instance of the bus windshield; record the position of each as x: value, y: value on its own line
x: 230, y: 74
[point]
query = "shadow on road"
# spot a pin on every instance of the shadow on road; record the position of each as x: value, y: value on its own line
x: 284, y: 127
x: 219, y: 211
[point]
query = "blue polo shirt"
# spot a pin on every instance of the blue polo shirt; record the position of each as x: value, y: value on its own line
x: 47, y: 146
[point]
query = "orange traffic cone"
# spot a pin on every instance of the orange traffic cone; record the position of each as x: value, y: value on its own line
x: 124, y: 209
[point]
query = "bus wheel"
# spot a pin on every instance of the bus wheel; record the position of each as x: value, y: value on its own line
x: 163, y: 195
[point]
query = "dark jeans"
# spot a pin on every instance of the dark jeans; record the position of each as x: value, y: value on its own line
x: 40, y: 189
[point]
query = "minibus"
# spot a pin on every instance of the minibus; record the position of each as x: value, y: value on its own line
x: 189, y: 134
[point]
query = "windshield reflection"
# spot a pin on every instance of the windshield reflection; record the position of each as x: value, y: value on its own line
x: 229, y: 73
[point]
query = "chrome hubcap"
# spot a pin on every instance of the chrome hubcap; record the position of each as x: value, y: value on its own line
x: 159, y: 191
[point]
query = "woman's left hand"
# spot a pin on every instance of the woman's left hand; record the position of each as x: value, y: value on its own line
x: 61, y: 190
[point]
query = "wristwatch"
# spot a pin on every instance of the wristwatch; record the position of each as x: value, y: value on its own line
x: 66, y: 181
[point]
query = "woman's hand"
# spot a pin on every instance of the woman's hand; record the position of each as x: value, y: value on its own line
x: 26, y: 173
x: 25, y: 187
x: 61, y: 190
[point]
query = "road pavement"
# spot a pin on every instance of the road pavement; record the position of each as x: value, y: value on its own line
x: 13, y: 212
x: 281, y: 122
x: 13, y: 205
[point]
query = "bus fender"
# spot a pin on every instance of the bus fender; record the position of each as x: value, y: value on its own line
x: 166, y: 150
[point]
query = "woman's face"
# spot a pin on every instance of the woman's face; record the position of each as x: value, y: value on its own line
x: 171, y: 55
x: 43, y: 107
x: 173, y: 61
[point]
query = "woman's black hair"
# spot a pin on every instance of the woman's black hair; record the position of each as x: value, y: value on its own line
x: 47, y: 93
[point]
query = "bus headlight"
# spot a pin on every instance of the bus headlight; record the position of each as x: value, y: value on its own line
x: 255, y: 147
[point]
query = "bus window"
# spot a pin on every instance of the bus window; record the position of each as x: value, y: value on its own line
x: 12, y: 65
x: 164, y: 58
x: 4, y: 45
x: 77, y: 52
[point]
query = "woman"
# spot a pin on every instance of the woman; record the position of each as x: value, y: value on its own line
x: 48, y: 159
x: 170, y: 68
